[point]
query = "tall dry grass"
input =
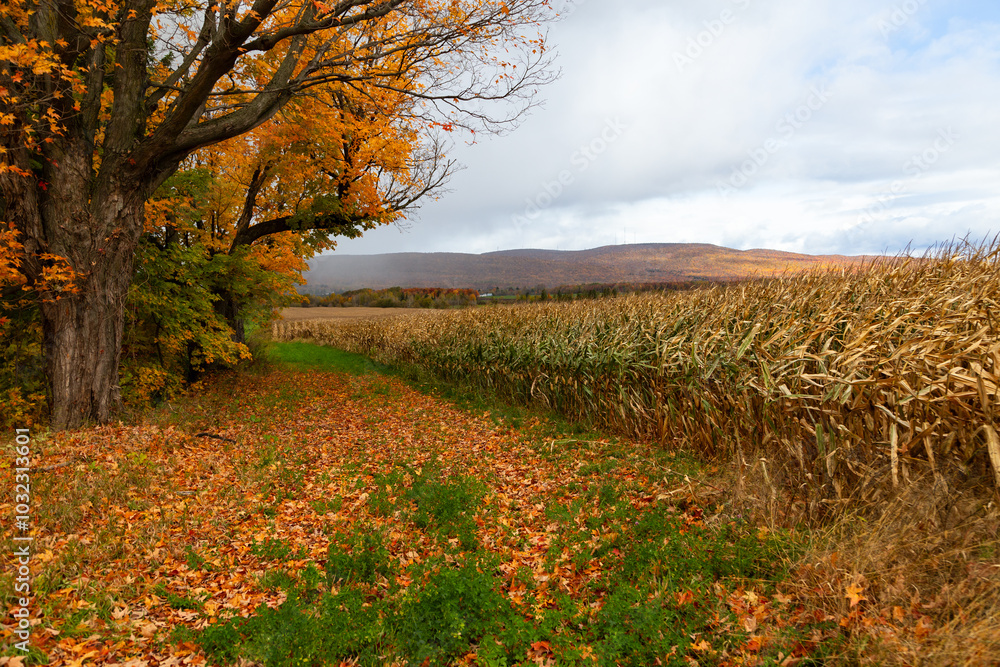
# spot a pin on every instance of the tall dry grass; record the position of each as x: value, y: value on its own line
x: 834, y: 386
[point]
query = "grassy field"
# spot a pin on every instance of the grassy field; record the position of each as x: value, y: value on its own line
x: 317, y: 509
x: 785, y: 473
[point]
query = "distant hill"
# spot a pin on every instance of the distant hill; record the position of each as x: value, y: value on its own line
x: 639, y: 263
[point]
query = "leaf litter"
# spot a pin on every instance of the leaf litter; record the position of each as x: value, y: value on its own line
x: 148, y: 536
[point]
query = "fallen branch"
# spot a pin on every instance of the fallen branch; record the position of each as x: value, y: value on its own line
x: 75, y: 459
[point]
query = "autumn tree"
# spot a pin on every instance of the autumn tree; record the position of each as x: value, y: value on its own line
x: 173, y: 326
x: 227, y: 236
x: 101, y: 101
x: 334, y: 163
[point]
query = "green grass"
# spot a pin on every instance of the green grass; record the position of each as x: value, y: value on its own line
x: 457, y: 604
x: 318, y: 357
x: 364, y: 558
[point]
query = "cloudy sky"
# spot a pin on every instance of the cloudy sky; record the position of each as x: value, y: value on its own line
x: 817, y: 126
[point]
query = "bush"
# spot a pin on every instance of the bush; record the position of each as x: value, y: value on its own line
x: 23, y: 384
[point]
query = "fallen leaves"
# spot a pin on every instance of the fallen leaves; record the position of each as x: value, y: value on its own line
x: 171, y: 530
x: 855, y: 594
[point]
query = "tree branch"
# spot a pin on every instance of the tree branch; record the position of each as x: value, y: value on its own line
x: 338, y: 224
x: 204, y: 36
x: 246, y: 215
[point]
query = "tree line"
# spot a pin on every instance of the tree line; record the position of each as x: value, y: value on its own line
x: 397, y: 297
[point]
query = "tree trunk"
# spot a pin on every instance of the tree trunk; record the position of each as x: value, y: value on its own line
x: 83, y: 337
x: 228, y: 308
x: 82, y: 328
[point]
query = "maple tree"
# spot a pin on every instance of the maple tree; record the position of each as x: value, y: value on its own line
x: 102, y: 101
x: 227, y: 236
x: 335, y: 163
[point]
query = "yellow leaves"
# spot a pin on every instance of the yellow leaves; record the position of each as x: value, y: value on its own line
x: 93, y: 14
x: 57, y: 279
x: 10, y: 261
x: 14, y: 169
x: 147, y: 381
x: 33, y: 55
x: 702, y: 646
x: 855, y: 594
x: 42, y: 67
x: 211, y: 608
x: 37, y: 78
x: 189, y: 32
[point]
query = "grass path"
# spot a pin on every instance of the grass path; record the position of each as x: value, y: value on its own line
x: 319, y: 512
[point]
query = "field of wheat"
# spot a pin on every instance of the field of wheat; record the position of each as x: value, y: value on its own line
x: 836, y: 386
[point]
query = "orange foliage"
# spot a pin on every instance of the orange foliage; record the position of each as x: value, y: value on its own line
x: 10, y: 260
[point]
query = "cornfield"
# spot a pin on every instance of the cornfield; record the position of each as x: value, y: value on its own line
x: 842, y: 383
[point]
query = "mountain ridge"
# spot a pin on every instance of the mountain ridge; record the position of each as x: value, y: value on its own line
x: 533, y: 267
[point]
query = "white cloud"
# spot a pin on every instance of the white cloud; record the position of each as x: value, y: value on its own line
x: 690, y: 125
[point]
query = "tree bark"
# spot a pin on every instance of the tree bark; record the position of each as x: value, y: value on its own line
x: 83, y: 329
x: 82, y: 314
x: 83, y: 336
x: 229, y: 308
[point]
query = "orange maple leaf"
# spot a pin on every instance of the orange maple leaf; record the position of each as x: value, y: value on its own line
x: 855, y: 594
x: 541, y: 647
